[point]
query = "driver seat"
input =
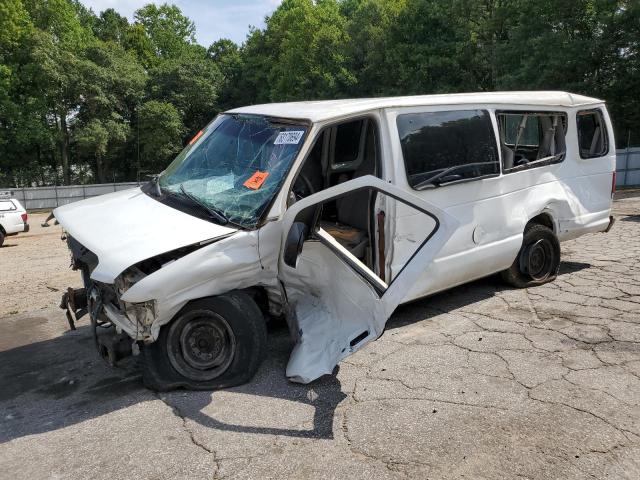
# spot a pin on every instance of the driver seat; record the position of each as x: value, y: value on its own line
x: 354, y: 215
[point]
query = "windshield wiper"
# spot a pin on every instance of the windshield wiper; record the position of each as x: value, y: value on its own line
x: 213, y: 212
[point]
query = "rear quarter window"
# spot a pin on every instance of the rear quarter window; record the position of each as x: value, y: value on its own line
x: 445, y: 147
x: 593, y: 140
x: 7, y: 205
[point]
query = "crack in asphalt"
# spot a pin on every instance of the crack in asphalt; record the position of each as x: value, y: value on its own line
x: 191, y: 435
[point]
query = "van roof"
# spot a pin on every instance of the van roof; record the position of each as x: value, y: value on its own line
x: 327, y: 109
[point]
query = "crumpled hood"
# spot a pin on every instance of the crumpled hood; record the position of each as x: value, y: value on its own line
x: 126, y: 227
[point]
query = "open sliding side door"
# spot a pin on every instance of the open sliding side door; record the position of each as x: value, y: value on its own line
x: 337, y: 303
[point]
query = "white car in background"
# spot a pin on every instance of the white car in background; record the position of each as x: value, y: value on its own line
x: 13, y: 218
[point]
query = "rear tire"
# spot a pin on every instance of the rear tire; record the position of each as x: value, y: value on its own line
x: 211, y: 343
x: 538, y: 260
x: 1, y: 238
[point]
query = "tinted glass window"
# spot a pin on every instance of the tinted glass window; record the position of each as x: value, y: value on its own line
x: 347, y: 146
x: 443, y: 147
x: 592, y: 134
x: 530, y: 139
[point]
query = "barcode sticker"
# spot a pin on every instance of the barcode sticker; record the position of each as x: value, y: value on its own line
x: 289, y: 138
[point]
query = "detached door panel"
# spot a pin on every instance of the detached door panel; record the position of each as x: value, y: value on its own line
x: 336, y: 267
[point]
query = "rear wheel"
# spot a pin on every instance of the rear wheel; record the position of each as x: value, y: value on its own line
x: 1, y: 237
x: 538, y: 260
x: 212, y: 343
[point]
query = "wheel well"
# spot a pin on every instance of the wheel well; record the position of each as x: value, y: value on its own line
x: 543, y: 219
x: 259, y: 295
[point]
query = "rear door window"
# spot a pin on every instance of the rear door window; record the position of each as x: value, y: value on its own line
x: 447, y: 147
x: 592, y: 134
x: 531, y: 139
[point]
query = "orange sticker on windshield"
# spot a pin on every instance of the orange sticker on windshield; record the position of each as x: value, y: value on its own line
x: 256, y: 180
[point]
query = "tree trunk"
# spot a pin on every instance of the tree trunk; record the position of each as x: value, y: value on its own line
x: 100, y: 173
x: 64, y: 148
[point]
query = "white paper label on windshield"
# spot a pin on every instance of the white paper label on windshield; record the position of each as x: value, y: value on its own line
x: 289, y: 138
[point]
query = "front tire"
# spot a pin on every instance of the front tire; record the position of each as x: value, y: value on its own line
x: 211, y: 343
x: 538, y: 260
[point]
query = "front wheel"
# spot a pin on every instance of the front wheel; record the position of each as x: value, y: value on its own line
x: 538, y: 260
x: 212, y: 343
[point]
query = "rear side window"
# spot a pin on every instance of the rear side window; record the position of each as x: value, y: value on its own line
x: 445, y: 147
x: 592, y: 134
x: 531, y: 139
x: 6, y: 205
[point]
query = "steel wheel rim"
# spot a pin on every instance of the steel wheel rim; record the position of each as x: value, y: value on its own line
x: 539, y: 259
x: 201, y: 345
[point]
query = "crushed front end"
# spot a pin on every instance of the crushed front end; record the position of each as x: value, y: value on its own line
x: 117, y: 325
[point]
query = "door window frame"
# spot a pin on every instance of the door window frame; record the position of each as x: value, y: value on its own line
x: 295, y: 172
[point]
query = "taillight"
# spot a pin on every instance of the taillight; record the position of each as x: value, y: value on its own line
x: 24, y: 217
x: 613, y: 183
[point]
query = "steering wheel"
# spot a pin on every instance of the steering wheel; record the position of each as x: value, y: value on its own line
x: 302, y: 187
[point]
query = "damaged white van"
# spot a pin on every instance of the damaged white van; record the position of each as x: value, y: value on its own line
x: 332, y: 213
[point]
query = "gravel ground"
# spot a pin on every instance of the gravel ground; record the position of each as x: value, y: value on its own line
x: 481, y: 381
x: 34, y: 268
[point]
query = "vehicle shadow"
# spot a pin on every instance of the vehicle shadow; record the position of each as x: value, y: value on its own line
x: 51, y: 384
x: 462, y: 296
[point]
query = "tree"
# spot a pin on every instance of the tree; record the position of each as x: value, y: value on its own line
x: 110, y: 26
x: 115, y: 86
x: 169, y: 31
x: 161, y: 131
x: 191, y: 84
x: 306, y: 41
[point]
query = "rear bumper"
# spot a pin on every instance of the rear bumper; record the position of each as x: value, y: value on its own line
x: 26, y: 227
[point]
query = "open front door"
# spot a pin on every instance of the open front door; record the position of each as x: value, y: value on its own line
x: 350, y: 255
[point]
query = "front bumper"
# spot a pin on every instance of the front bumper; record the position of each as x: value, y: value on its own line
x: 133, y: 319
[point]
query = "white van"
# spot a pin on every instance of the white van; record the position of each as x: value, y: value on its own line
x: 13, y: 217
x: 332, y: 213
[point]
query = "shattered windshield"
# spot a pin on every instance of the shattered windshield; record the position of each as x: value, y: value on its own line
x: 235, y: 166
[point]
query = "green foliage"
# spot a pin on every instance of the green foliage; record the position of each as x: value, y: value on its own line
x: 189, y: 83
x: 169, y: 31
x: 90, y: 96
x: 307, y: 43
x: 160, y: 135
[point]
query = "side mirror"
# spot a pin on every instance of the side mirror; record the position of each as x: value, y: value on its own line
x: 293, y: 245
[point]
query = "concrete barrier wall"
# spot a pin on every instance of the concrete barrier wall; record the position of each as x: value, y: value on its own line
x: 51, y: 197
x: 628, y: 167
